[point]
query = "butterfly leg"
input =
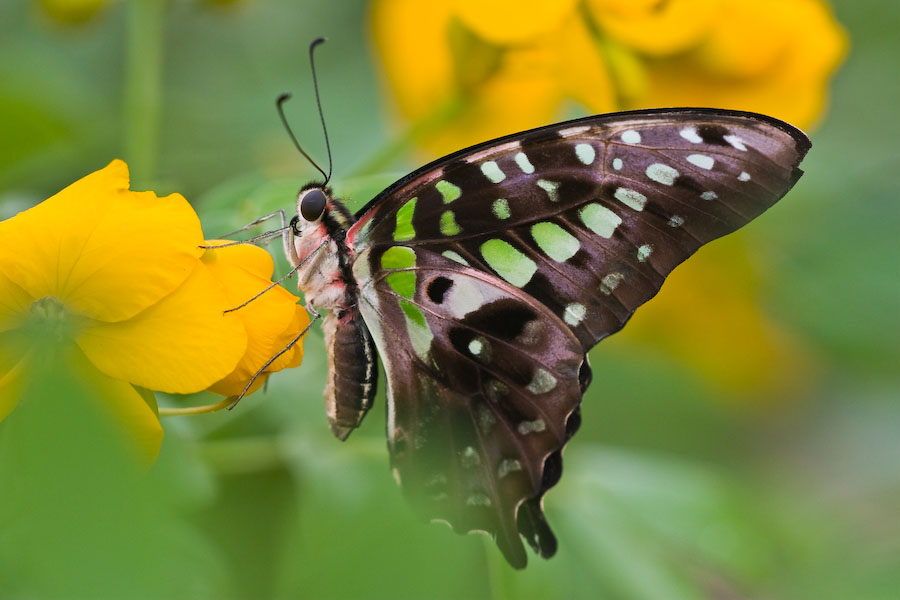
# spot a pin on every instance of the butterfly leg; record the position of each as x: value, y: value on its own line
x: 254, y: 223
x: 263, y: 368
x: 284, y: 277
x: 285, y: 232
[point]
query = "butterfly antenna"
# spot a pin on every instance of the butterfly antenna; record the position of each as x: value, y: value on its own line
x: 312, y: 67
x: 278, y: 103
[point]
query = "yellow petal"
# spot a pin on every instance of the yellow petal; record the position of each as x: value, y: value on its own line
x: 514, y: 100
x: 134, y: 414
x: 245, y: 256
x: 411, y: 39
x: 747, y: 37
x: 181, y: 344
x: 106, y: 252
x: 793, y: 87
x: 270, y: 320
x: 14, y: 304
x: 294, y: 356
x: 508, y: 22
x: 654, y: 27
x: 13, y: 363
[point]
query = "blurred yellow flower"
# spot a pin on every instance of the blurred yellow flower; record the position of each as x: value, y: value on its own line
x: 114, y: 282
x: 509, y: 65
x: 73, y: 12
x: 463, y: 72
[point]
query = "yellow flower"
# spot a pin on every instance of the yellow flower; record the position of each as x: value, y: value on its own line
x: 271, y: 320
x: 463, y: 72
x: 115, y: 283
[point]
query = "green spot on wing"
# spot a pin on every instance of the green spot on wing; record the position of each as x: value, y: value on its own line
x: 413, y: 313
x: 404, y: 230
x: 549, y: 187
x: 600, y: 219
x: 448, y: 223
x: 508, y: 262
x: 449, y: 191
x: 554, y: 241
x: 398, y: 257
x: 500, y: 208
x: 403, y: 283
x: 420, y: 335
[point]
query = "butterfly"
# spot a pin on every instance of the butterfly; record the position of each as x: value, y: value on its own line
x: 483, y: 279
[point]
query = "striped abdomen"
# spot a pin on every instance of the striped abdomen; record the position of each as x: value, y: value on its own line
x: 352, y: 371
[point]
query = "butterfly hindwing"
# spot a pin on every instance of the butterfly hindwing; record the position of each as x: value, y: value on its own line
x: 482, y: 386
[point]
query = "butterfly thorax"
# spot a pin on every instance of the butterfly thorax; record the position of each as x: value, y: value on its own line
x: 320, y: 277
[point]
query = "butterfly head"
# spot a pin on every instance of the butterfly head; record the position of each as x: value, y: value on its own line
x: 318, y: 211
x: 313, y: 202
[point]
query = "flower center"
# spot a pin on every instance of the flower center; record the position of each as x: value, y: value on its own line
x: 49, y: 319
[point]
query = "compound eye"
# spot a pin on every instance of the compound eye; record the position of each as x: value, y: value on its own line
x: 313, y: 204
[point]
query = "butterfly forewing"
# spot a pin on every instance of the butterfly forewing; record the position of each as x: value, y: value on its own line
x: 590, y: 216
x: 576, y: 225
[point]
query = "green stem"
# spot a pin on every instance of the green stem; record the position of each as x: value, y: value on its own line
x: 143, y: 88
x: 196, y: 410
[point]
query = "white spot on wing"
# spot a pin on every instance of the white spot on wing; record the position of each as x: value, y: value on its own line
x: 574, y: 314
x: 611, y: 282
x: 570, y: 131
x: 631, y: 137
x: 709, y: 195
x: 524, y: 163
x: 736, y: 142
x: 676, y: 221
x: 507, y: 466
x: 485, y: 417
x: 536, y: 426
x: 644, y: 252
x: 464, y: 297
x: 744, y: 176
x: 661, y: 173
x: 691, y: 135
x: 493, y: 150
x: 701, y: 160
x: 585, y: 153
x: 478, y: 499
x: 631, y: 198
x: 541, y: 382
x: 550, y: 188
x: 492, y: 171
x: 470, y: 458
x: 617, y: 164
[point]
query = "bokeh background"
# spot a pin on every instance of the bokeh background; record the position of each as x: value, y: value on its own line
x: 741, y: 438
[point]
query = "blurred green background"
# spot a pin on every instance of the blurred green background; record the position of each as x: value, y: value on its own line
x: 670, y: 490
